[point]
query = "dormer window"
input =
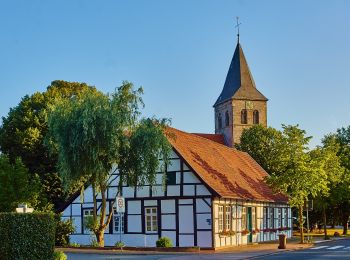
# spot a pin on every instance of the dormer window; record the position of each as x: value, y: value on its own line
x: 220, y: 121
x: 227, y: 119
x: 256, y: 117
x: 244, y: 116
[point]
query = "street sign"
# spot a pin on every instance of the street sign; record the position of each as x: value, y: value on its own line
x: 309, y: 205
x: 120, y: 204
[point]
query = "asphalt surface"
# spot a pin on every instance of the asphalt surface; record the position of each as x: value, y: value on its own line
x: 219, y: 256
x: 339, y: 249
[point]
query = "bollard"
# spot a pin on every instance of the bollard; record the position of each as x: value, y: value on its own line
x: 283, y: 241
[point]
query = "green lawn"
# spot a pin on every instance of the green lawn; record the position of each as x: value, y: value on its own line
x: 330, y: 232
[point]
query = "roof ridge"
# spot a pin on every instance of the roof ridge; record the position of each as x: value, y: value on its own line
x: 193, y: 134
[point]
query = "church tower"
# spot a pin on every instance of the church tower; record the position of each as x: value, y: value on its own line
x: 240, y: 105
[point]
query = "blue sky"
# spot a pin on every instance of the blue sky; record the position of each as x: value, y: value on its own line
x: 179, y: 51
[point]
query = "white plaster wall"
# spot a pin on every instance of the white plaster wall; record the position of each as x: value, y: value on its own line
x: 168, y: 206
x: 201, y: 206
x: 76, y: 209
x: 66, y: 212
x: 157, y: 191
x: 168, y: 222
x: 188, y: 190
x: 143, y: 191
x: 202, y: 190
x: 134, y: 223
x: 150, y: 203
x: 174, y: 166
x: 173, y: 190
x: 128, y: 192
x: 189, y: 177
x: 112, y: 192
x: 134, y: 207
x: 186, y: 240
x: 204, y: 239
x: 185, y: 219
x: 203, y: 221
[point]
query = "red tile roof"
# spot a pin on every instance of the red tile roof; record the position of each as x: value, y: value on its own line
x: 227, y: 171
x: 219, y: 138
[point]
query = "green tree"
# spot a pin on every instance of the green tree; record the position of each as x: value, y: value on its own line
x: 265, y: 145
x: 16, y: 185
x: 293, y: 170
x: 340, y: 195
x: 330, y: 163
x: 301, y: 177
x: 97, y: 132
x: 23, y: 132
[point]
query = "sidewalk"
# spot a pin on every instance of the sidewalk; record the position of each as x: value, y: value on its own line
x: 256, y: 249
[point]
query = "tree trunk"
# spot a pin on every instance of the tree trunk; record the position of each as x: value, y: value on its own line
x: 345, y: 224
x: 301, y: 224
x: 325, y: 223
x: 103, y: 223
x: 100, y: 238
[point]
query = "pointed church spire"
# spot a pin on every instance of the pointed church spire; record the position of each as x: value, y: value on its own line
x: 237, y: 26
x: 239, y: 83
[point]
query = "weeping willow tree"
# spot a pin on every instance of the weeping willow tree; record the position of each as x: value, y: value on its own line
x: 97, y: 132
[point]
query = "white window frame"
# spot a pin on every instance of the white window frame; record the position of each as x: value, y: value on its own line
x: 271, y: 217
x: 265, y: 218
x: 228, y: 222
x: 90, y: 212
x: 254, y: 219
x: 286, y: 217
x: 221, y: 218
x: 279, y: 217
x: 239, y: 209
x: 151, y: 214
x: 244, y: 218
x: 118, y: 221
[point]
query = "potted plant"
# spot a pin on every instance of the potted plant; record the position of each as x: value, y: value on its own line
x: 255, y: 231
x: 245, y: 232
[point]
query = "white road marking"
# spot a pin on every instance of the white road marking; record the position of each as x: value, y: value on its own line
x: 334, y: 247
x: 319, y: 247
x: 321, y: 241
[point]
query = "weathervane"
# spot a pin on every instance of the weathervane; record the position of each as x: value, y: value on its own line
x: 237, y: 26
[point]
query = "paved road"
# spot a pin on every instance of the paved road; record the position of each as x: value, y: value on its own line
x: 220, y: 256
x: 336, y: 249
x: 339, y: 249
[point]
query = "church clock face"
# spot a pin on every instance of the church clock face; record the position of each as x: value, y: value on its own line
x: 249, y: 105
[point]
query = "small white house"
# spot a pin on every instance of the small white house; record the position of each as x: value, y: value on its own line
x: 215, y: 196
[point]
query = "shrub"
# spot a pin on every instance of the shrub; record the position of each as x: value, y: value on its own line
x: 63, y: 229
x: 93, y: 242
x: 59, y: 255
x: 74, y: 244
x: 27, y: 235
x: 164, y: 242
x: 119, y: 244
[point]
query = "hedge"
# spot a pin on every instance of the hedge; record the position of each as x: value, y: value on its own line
x: 27, y: 235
